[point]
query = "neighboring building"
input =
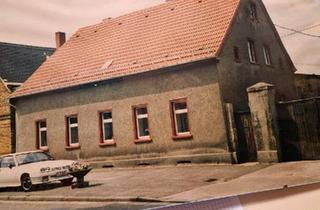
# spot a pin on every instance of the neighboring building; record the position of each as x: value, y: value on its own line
x: 308, y: 85
x: 17, y: 63
x: 153, y: 83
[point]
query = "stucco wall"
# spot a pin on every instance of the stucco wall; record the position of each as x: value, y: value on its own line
x: 236, y: 77
x: 197, y: 82
x: 5, y: 129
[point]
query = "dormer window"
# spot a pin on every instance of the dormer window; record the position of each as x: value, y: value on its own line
x: 253, y: 11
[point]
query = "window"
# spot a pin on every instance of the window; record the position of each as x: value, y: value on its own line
x: 107, y: 129
x: 236, y: 54
x: 252, y: 53
x: 141, y: 122
x: 267, y: 57
x: 72, y: 129
x: 7, y: 162
x: 42, y: 142
x: 253, y: 11
x: 180, y: 118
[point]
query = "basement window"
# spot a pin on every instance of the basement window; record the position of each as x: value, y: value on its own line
x: 42, y: 142
x: 266, y: 53
x: 72, y: 131
x: 141, y: 123
x: 180, y: 118
x: 252, y: 52
x: 107, y: 128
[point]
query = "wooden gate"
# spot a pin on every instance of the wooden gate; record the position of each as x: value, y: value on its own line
x: 299, y: 129
x: 246, y: 147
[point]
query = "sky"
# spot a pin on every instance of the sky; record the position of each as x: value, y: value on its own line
x: 34, y: 22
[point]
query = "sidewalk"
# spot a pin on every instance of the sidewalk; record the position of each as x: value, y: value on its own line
x: 176, y: 183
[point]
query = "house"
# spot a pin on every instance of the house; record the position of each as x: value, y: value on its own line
x: 152, y: 84
x: 308, y: 85
x: 17, y: 63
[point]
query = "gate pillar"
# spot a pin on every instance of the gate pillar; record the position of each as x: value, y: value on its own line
x: 264, y: 120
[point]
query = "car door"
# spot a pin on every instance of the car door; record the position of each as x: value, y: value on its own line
x: 8, y: 172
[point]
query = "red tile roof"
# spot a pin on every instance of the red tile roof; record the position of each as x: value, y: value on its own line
x: 176, y: 32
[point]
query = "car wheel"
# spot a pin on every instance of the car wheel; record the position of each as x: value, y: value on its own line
x: 67, y: 182
x: 26, y: 183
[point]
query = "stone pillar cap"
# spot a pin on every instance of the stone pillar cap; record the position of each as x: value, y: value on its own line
x: 260, y: 87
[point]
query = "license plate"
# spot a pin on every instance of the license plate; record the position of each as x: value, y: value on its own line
x: 61, y: 173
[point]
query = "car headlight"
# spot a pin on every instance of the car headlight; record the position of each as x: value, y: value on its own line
x: 44, y: 170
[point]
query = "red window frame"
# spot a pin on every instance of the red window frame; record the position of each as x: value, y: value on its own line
x: 102, y: 141
x: 70, y: 146
x: 175, y: 134
x: 140, y: 139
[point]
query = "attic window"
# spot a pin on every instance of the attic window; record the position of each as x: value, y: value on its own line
x: 236, y: 54
x: 146, y: 16
x: 106, y: 65
x: 253, y: 11
x: 267, y: 57
x: 251, y: 51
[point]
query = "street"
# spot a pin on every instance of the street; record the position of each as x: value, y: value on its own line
x: 10, y: 205
x: 153, y: 186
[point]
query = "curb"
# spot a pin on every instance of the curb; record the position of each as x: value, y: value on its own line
x: 85, y: 199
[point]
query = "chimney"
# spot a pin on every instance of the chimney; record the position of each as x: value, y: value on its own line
x: 60, y: 39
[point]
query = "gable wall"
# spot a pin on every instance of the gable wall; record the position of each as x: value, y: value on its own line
x: 236, y: 77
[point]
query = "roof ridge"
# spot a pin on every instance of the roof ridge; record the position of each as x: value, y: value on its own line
x: 112, y: 19
x: 26, y: 46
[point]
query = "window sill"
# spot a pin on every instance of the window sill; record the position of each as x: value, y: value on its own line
x: 110, y: 142
x: 72, y: 147
x: 254, y: 64
x: 143, y: 140
x: 44, y: 149
x: 182, y: 137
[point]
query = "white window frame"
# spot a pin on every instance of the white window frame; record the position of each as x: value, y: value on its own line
x: 141, y: 116
x: 105, y: 121
x: 180, y: 111
x: 39, y: 134
x: 73, y: 125
x: 267, y: 57
x: 252, y: 52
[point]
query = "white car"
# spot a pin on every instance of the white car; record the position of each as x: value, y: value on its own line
x: 26, y: 169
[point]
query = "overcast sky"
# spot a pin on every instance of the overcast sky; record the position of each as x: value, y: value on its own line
x: 34, y: 22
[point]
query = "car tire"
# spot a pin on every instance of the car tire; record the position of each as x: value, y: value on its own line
x: 67, y: 182
x: 26, y: 183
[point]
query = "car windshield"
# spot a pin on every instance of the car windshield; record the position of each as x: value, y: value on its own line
x: 32, y: 157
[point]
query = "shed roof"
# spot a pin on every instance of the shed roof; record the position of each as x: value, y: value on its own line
x: 172, y: 33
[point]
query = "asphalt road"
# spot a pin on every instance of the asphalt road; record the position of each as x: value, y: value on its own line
x: 13, y: 205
